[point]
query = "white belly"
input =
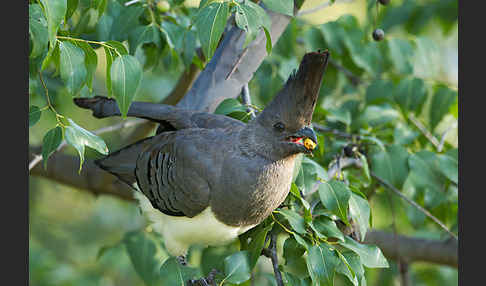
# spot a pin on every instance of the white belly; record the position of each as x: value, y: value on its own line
x: 180, y: 233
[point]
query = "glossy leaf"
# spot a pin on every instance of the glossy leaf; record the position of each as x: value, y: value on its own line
x: 325, y: 228
x: 126, y: 75
x: 237, y: 267
x: 281, y: 6
x: 71, y: 7
x: 91, y: 62
x: 411, y: 94
x: 354, y: 262
x: 442, y: 100
x: 72, y: 67
x: 37, y: 30
x: 55, y: 11
x: 359, y: 210
x: 322, y: 263
x: 173, y: 273
x: 257, y: 243
x: 78, y: 137
x: 364, y: 163
x: 210, y: 22
x: 52, y: 139
x: 401, y: 53
x: 391, y: 164
x: 34, y: 115
x: 335, y: 196
x: 370, y: 255
x: 296, y: 221
x: 449, y: 167
x: 142, y: 35
x: 379, y: 91
x: 142, y: 252
x: 229, y: 106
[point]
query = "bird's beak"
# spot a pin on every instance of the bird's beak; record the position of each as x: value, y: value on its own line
x: 309, y: 138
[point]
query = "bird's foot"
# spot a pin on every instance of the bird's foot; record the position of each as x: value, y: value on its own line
x: 206, y: 281
x: 182, y: 260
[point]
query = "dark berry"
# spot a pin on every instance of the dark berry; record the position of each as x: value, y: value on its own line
x: 348, y: 151
x: 384, y: 2
x: 378, y: 34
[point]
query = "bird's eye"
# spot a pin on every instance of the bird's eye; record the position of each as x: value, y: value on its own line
x: 279, y: 126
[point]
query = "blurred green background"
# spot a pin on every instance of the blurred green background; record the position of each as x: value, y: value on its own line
x: 68, y: 227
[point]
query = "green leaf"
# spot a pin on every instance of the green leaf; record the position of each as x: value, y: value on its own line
x: 229, y: 106
x: 442, y: 100
x: 210, y: 22
x: 281, y: 6
x: 237, y: 268
x: 257, y: 243
x: 173, y: 273
x: 125, y: 21
x: 37, y: 30
x: 90, y: 61
x: 251, y: 17
x: 391, y: 164
x: 370, y: 255
x: 401, y: 53
x: 322, y: 263
x: 34, y: 115
x: 109, y: 62
x: 79, y: 137
x: 411, y: 94
x: 449, y: 167
x: 51, y: 57
x: 325, y: 228
x: 379, y: 91
x: 89, y: 139
x: 296, y: 221
x: 126, y: 75
x: 52, y: 139
x: 55, y: 11
x: 71, y: 7
x: 142, y: 35
x: 359, y: 209
x: 365, y: 167
x: 142, y: 251
x: 355, y: 264
x: 335, y: 197
x: 294, y: 261
x: 72, y: 67
x: 119, y: 47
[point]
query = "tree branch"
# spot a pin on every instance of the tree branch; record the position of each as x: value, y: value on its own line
x: 410, y: 249
x: 63, y: 169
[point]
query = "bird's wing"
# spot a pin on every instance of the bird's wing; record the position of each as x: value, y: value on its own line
x: 172, y: 169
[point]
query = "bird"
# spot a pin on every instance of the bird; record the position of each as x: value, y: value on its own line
x: 206, y: 178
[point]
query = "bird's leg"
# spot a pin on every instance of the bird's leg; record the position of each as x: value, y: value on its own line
x: 206, y: 281
x: 182, y: 260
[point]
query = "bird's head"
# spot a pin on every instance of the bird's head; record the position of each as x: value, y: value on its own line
x: 283, y: 128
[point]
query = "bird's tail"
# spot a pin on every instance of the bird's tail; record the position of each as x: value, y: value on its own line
x: 122, y: 163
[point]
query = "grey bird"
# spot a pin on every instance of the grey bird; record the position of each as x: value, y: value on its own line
x: 207, y: 178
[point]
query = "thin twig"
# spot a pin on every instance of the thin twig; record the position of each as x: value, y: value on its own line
x: 245, y: 97
x: 421, y: 209
x: 355, y: 80
x: 321, y: 6
x: 131, y: 2
x: 424, y: 130
x: 121, y: 125
x: 273, y: 257
x: 404, y: 274
x: 321, y: 128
